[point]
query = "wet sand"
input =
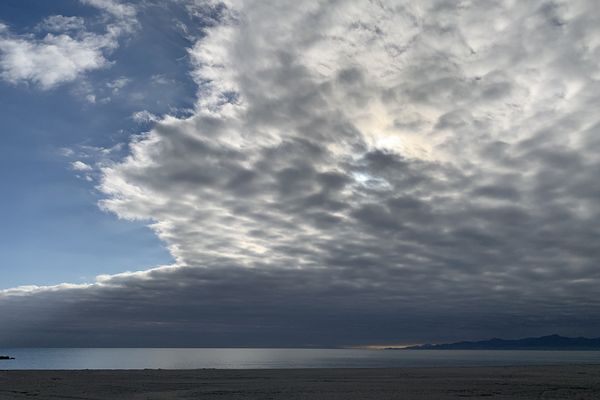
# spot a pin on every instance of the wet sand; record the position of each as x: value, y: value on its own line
x: 539, y: 382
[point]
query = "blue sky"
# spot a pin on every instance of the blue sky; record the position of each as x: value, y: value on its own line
x: 52, y: 229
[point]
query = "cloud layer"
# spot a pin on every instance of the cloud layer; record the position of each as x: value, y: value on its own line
x: 361, y: 172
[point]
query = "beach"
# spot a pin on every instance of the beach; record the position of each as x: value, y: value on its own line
x: 515, y: 382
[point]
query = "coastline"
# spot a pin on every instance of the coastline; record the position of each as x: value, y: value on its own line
x: 565, y: 381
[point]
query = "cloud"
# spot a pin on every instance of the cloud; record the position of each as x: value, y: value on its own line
x: 144, y: 116
x: 66, y: 152
x: 118, y: 84
x: 67, y: 50
x: 60, y: 23
x: 363, y: 172
x: 80, y: 166
x: 53, y: 60
x: 116, y: 8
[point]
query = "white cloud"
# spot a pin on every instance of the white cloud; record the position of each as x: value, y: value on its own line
x: 66, y: 152
x: 61, y: 56
x: 53, y: 60
x: 116, y: 8
x: 118, y: 84
x: 144, y: 116
x: 80, y: 166
x: 159, y: 79
x: 60, y: 23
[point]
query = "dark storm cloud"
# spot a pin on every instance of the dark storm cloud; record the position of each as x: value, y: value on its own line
x: 383, y: 173
x: 258, y: 307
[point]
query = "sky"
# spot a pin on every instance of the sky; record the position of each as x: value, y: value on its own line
x: 204, y: 173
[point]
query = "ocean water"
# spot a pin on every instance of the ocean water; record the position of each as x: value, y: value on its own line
x: 280, y: 358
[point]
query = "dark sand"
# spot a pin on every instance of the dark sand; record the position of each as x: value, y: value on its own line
x: 544, y: 382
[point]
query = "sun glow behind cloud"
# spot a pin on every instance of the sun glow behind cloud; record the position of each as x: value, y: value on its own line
x: 384, y: 131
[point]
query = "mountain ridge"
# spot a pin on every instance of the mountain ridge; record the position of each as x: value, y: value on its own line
x: 549, y: 342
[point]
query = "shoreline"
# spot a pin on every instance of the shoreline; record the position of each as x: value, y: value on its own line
x: 581, y: 381
x: 541, y: 365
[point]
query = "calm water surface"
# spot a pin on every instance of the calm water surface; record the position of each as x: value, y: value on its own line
x: 279, y: 358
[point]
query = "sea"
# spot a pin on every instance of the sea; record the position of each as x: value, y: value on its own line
x: 244, y: 358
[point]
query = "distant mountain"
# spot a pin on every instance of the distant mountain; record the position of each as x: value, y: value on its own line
x: 551, y: 342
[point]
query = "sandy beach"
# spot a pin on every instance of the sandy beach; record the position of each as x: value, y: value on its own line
x: 520, y: 382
